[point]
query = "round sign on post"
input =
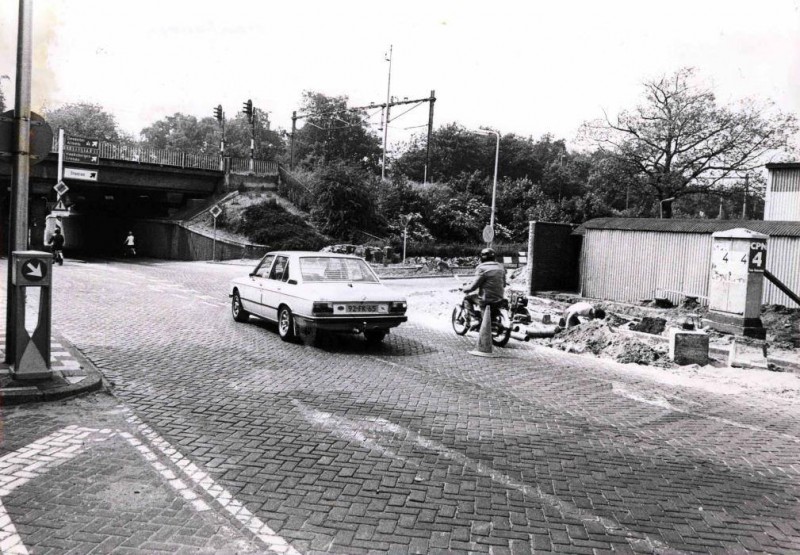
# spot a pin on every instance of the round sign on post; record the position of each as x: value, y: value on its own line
x: 488, y: 234
x: 41, y: 137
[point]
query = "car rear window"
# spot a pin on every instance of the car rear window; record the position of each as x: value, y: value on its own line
x: 322, y: 268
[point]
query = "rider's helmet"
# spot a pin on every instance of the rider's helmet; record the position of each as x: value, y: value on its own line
x: 487, y: 255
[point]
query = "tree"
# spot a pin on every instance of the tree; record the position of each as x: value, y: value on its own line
x: 184, y: 132
x: 2, y: 94
x: 83, y: 119
x: 333, y: 132
x: 346, y: 202
x: 680, y: 142
x: 269, y: 144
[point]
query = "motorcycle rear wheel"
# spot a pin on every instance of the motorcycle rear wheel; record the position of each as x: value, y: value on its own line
x: 460, y: 320
x: 500, y: 334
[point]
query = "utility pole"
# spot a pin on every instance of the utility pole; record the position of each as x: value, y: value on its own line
x: 291, y: 141
x: 746, y: 190
x: 386, y: 114
x: 18, y: 225
x: 428, y: 173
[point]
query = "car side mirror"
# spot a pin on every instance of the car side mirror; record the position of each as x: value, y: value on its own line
x: 292, y: 282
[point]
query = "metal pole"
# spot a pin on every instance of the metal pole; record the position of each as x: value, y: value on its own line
x: 60, y: 170
x: 291, y: 142
x: 386, y: 118
x: 222, y: 145
x: 214, y: 243
x: 405, y: 238
x: 494, y: 186
x: 18, y: 236
x: 428, y: 172
x: 746, y: 187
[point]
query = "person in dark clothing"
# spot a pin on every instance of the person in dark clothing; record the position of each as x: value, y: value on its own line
x: 489, y: 282
x: 57, y: 244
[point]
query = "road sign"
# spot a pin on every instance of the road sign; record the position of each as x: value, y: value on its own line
x: 215, y: 211
x: 41, y: 138
x: 81, y: 142
x: 31, y: 268
x: 81, y: 174
x: 81, y: 158
x: 488, y: 234
x: 60, y: 188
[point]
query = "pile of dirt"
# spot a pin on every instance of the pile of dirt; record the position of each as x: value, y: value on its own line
x: 783, y: 325
x: 601, y: 339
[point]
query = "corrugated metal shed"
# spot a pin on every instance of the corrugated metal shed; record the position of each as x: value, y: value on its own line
x: 773, y: 229
x: 629, y: 259
x: 783, y: 192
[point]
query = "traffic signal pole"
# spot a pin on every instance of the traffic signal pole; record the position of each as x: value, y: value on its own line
x: 18, y: 236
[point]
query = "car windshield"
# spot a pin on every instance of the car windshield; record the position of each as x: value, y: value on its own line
x: 324, y: 268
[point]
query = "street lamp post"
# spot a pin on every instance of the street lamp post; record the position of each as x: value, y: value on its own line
x: 494, y: 184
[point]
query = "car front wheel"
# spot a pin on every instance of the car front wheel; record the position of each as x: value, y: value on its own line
x: 238, y: 312
x: 285, y: 324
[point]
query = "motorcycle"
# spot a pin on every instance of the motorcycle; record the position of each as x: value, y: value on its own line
x: 467, y: 317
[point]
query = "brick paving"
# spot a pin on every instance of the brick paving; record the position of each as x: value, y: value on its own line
x: 219, y: 437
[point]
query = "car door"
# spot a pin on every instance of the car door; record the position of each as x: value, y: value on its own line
x: 252, y: 290
x: 273, y: 286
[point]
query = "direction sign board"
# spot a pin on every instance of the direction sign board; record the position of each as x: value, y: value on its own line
x: 215, y: 211
x: 80, y: 142
x: 81, y: 174
x: 81, y: 158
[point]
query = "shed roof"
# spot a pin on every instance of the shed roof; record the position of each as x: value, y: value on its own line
x: 772, y: 228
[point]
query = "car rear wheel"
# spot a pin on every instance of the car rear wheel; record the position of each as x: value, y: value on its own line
x: 286, y: 324
x: 374, y: 336
x: 238, y: 312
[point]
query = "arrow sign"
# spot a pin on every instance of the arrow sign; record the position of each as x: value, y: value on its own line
x: 81, y: 158
x: 34, y: 269
x: 79, y: 173
x: 81, y: 142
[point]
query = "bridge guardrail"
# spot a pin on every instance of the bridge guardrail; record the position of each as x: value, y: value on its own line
x: 176, y: 158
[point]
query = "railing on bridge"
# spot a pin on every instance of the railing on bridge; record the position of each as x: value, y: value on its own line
x: 176, y: 158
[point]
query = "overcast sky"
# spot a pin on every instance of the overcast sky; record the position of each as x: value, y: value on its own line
x: 518, y: 66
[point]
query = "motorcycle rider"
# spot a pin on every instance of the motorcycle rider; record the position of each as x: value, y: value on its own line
x: 57, y: 243
x: 490, y: 282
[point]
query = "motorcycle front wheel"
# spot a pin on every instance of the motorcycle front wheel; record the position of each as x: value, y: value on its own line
x: 460, y: 320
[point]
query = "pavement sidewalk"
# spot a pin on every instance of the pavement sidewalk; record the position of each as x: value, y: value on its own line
x: 72, y: 375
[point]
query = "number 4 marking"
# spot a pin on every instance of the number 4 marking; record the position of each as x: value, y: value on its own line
x: 725, y: 258
x: 758, y: 259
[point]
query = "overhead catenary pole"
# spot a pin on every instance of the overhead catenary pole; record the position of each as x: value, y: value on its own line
x: 291, y: 141
x: 18, y: 236
x: 428, y: 173
x: 386, y: 114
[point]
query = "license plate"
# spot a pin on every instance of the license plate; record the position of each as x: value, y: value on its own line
x: 360, y: 308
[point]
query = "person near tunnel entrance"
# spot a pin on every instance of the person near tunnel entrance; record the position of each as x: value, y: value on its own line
x: 57, y: 245
x: 130, y: 245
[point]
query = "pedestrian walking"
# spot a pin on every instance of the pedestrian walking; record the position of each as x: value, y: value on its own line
x: 130, y: 245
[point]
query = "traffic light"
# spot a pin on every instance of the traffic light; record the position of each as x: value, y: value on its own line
x: 248, y: 109
x: 218, y: 113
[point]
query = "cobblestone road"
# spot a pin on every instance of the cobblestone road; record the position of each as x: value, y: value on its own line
x: 222, y: 438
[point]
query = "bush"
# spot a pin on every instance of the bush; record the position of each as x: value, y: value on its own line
x: 268, y: 223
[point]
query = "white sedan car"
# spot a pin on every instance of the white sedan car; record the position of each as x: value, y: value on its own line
x: 308, y: 291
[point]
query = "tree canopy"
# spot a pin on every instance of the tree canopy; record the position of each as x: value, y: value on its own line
x: 332, y: 132
x: 84, y: 119
x: 679, y: 141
